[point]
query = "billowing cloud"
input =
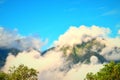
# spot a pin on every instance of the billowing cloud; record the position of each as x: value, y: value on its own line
x: 81, y: 34
x: 11, y: 39
x: 34, y: 60
x: 79, y: 72
x: 54, y: 65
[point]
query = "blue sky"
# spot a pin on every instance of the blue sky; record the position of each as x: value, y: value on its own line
x: 51, y: 18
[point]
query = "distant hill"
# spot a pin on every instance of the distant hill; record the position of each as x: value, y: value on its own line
x: 4, y: 53
x: 78, y: 53
x: 82, y: 53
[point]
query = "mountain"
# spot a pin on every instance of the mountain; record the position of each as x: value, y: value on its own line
x: 82, y: 53
x: 4, y: 53
x: 44, y: 52
x: 78, y: 53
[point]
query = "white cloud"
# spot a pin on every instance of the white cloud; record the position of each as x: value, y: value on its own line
x: 49, y: 64
x: 79, y: 72
x: 94, y: 60
x: 11, y: 39
x: 81, y: 34
x: 34, y: 60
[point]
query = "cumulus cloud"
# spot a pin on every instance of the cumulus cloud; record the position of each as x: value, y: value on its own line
x: 47, y: 64
x: 111, y: 53
x: 51, y: 64
x: 11, y: 39
x: 34, y: 60
x: 79, y: 72
x: 81, y: 34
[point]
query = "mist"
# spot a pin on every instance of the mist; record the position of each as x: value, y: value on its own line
x: 78, y: 51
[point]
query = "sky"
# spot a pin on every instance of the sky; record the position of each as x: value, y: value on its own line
x: 51, y: 18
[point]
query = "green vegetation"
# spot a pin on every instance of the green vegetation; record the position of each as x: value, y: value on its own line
x: 111, y: 71
x: 83, y: 52
x: 3, y: 76
x: 20, y: 73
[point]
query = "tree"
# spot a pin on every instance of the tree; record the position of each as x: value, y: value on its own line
x: 3, y: 76
x: 111, y: 71
x: 20, y: 73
